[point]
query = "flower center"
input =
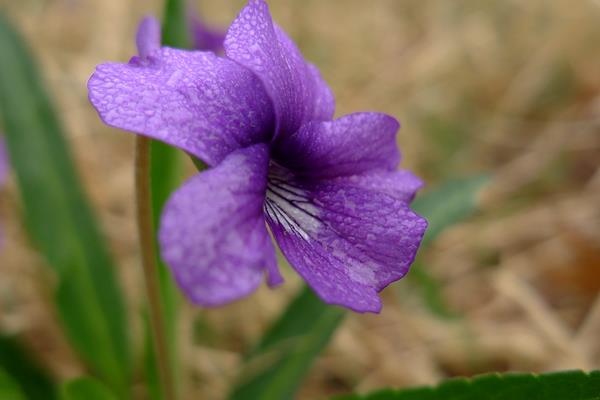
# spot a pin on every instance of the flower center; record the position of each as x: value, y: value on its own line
x: 288, y: 204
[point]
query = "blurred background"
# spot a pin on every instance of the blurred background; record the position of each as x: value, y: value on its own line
x: 508, y: 88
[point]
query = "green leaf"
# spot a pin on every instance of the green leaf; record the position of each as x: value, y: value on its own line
x: 9, y: 388
x: 85, y: 389
x: 565, y: 385
x: 24, y: 369
x: 276, y: 367
x: 58, y: 217
x: 165, y: 177
x: 448, y: 204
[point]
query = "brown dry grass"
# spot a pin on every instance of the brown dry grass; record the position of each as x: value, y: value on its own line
x: 508, y: 87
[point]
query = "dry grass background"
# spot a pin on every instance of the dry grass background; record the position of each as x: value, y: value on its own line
x: 508, y: 87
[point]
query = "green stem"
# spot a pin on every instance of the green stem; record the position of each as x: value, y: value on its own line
x: 146, y: 232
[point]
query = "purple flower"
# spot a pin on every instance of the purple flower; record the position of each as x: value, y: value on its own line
x: 261, y: 118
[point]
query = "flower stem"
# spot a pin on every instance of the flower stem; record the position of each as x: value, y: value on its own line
x: 146, y: 238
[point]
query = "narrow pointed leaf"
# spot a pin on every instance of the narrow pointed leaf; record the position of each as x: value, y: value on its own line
x: 566, y: 385
x: 9, y: 388
x: 58, y: 217
x: 85, y: 389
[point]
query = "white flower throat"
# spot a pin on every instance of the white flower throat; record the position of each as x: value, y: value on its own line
x: 289, y: 205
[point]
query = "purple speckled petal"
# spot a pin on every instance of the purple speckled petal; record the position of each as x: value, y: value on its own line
x: 213, y: 233
x: 349, y: 145
x: 318, y: 100
x: 347, y: 237
x: 401, y: 184
x: 324, y: 101
x: 196, y: 101
x: 206, y: 38
x: 299, y: 94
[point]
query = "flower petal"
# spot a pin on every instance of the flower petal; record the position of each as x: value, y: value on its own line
x: 317, y: 97
x: 196, y: 101
x: 349, y: 145
x: 348, y: 239
x: 323, y: 100
x: 213, y: 233
x: 402, y: 184
x: 298, y: 93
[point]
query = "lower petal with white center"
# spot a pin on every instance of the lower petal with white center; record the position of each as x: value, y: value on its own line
x: 347, y: 237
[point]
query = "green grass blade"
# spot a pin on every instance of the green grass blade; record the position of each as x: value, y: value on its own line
x: 277, y: 366
x: 9, y: 388
x: 566, y: 385
x: 15, y: 360
x: 85, y: 389
x: 58, y: 217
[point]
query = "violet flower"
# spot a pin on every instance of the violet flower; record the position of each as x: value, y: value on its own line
x: 261, y: 119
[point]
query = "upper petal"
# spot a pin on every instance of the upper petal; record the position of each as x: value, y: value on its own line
x: 297, y: 90
x: 196, y: 101
x: 213, y: 234
x: 352, y: 144
x: 323, y: 101
x: 317, y: 97
x: 402, y: 184
x: 347, y: 237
